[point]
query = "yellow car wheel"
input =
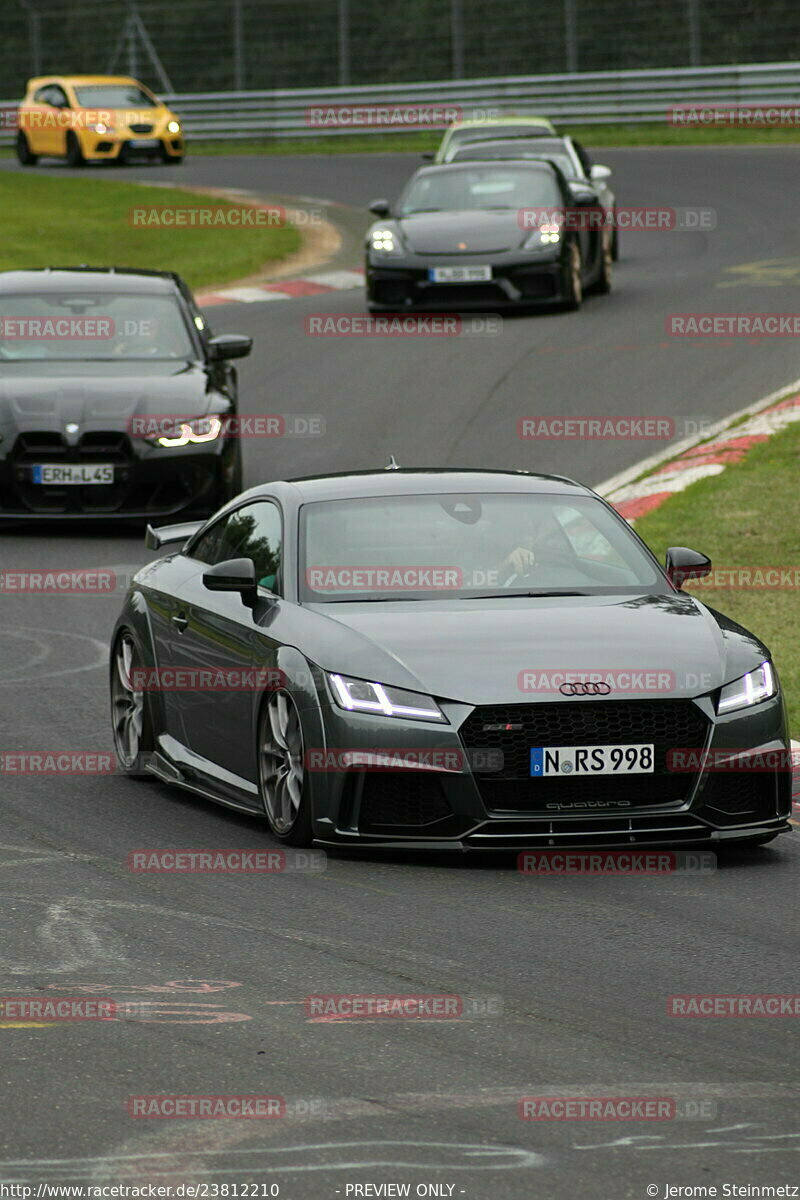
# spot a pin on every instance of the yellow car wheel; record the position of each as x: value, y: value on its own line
x: 74, y: 153
x: 24, y: 152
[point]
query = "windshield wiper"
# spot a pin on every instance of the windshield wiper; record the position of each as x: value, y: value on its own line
x: 511, y: 592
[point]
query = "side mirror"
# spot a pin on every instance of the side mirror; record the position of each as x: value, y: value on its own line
x: 582, y: 196
x: 380, y: 208
x: 235, y: 575
x: 682, y: 563
x: 230, y: 345
x: 599, y: 173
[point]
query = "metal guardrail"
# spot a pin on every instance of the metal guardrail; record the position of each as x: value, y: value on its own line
x: 587, y: 98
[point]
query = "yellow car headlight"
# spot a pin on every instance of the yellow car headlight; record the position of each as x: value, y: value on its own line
x: 173, y: 127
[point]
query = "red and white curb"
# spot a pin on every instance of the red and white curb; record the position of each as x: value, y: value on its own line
x: 286, y: 289
x: 647, y: 485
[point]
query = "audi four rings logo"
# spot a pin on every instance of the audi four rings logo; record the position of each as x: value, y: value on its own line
x: 585, y: 689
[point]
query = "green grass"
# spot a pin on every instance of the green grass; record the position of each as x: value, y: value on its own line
x: 655, y: 134
x: 748, y: 516
x: 67, y: 221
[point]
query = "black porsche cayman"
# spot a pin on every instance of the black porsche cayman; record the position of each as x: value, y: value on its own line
x: 456, y: 660
x: 486, y: 235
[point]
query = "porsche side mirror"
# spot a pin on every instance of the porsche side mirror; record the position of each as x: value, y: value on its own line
x: 380, y: 208
x: 234, y: 575
x: 230, y: 345
x: 582, y: 196
x: 682, y: 563
x: 599, y: 173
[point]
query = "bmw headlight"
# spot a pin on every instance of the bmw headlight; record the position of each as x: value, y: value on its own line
x: 750, y: 689
x: 384, y: 243
x: 202, y: 429
x: 543, y: 237
x: 359, y: 695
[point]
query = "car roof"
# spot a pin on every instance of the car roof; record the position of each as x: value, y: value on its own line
x: 506, y: 120
x: 82, y: 79
x: 88, y: 279
x: 355, y: 485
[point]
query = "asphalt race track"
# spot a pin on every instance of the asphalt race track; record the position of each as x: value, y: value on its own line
x: 211, y: 970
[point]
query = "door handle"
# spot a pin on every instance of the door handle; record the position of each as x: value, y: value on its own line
x: 180, y: 622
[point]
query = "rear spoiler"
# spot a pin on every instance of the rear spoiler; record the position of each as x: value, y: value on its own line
x: 167, y: 535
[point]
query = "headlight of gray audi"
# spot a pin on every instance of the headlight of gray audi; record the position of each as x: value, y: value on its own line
x: 361, y: 695
x: 749, y: 689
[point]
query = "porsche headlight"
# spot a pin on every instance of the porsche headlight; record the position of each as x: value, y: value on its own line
x: 359, y: 695
x: 202, y: 429
x: 384, y: 242
x: 545, y: 235
x: 750, y: 689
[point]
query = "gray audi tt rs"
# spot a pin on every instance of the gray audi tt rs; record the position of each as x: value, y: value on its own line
x: 450, y: 660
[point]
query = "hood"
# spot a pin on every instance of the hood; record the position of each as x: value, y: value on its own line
x: 483, y: 232
x: 40, y: 397
x: 497, y: 651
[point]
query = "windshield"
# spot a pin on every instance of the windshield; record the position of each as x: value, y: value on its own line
x: 494, y: 150
x: 487, y: 130
x: 474, y: 187
x: 443, y: 546
x: 92, y: 326
x: 113, y: 95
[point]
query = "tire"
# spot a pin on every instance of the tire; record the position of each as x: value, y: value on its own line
x: 281, y: 770
x: 24, y: 153
x: 573, y: 290
x: 615, y: 245
x: 74, y: 153
x: 131, y: 719
x: 602, y: 285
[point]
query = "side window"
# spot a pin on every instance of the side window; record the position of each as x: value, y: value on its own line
x: 57, y: 97
x: 42, y: 96
x: 254, y: 532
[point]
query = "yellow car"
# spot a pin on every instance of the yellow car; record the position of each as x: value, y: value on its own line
x: 95, y: 118
x: 490, y: 129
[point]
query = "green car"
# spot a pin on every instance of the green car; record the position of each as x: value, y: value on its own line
x: 461, y: 132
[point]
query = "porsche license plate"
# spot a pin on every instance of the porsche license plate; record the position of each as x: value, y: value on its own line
x: 459, y: 274
x: 549, y: 761
x: 67, y: 473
